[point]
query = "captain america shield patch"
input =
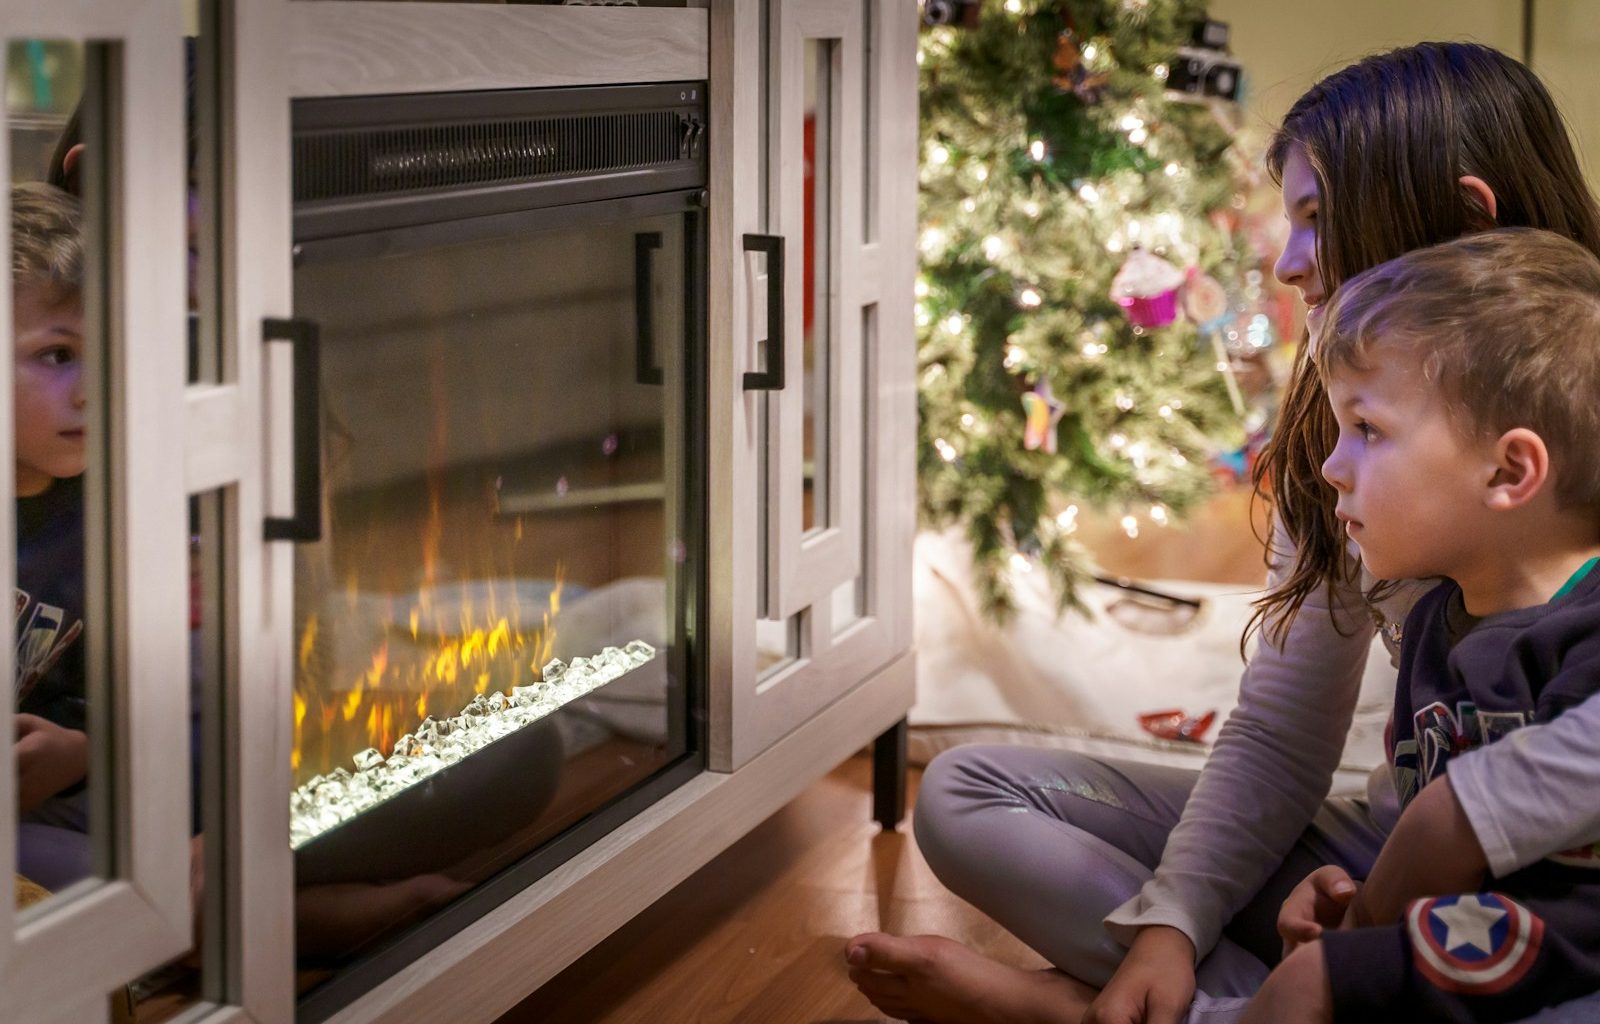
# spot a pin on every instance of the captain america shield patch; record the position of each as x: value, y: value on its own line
x: 1476, y: 944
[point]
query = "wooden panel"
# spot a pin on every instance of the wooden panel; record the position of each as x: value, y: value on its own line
x: 486, y: 970
x: 805, y: 568
x: 732, y: 412
x: 109, y: 931
x: 260, y: 638
x: 353, y: 49
x: 211, y: 457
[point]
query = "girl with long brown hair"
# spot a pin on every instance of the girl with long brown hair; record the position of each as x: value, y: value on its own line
x: 1155, y: 891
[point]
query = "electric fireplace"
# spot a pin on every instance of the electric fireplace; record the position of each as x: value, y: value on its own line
x: 499, y: 346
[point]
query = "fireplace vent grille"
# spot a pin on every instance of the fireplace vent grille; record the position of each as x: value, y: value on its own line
x: 365, y: 162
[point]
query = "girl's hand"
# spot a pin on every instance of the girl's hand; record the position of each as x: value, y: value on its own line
x: 50, y: 758
x: 1154, y: 985
x: 1317, y: 903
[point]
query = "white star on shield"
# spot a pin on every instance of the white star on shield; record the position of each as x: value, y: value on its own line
x: 1468, y: 923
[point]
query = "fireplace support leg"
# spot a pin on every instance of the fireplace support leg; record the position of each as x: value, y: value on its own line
x: 889, y: 776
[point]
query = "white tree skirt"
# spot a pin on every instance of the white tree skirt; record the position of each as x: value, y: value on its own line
x: 1081, y: 683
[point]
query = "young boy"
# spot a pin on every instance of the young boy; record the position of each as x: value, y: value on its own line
x: 47, y: 327
x: 1463, y: 379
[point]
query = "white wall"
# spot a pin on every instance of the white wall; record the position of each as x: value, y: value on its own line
x: 1285, y: 47
x: 1566, y: 53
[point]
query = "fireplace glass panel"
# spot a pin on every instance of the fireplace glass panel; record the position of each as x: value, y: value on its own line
x: 492, y: 629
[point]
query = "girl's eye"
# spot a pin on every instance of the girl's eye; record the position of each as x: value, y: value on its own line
x: 1367, y: 431
x: 59, y: 355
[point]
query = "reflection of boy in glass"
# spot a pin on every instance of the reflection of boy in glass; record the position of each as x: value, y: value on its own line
x: 47, y: 325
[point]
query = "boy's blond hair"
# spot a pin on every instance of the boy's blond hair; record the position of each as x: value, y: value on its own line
x: 1505, y: 324
x: 46, y: 238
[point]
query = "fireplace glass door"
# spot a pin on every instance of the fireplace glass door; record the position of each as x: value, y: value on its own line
x: 493, y: 626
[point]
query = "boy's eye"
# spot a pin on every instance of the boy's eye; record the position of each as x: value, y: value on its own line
x: 58, y: 355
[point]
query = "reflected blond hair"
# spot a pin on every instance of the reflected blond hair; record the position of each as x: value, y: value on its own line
x: 46, y: 238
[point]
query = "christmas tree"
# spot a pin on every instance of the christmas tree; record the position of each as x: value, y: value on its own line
x: 1066, y: 196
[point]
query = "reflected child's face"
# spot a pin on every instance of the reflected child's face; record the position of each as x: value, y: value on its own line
x: 49, y: 396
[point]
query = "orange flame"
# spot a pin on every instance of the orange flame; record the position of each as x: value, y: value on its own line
x: 419, y: 664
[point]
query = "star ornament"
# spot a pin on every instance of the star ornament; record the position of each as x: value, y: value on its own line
x: 1479, y: 943
x: 1042, y: 411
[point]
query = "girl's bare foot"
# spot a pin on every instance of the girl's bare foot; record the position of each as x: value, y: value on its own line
x: 934, y: 979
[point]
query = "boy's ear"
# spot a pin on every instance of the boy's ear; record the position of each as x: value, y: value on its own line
x: 1522, y: 468
x: 1481, y: 197
x: 70, y: 158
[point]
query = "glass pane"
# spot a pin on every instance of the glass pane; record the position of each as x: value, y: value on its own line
x: 59, y: 355
x: 869, y: 126
x: 196, y: 976
x: 778, y: 644
x: 850, y: 599
x: 818, y: 278
x: 495, y: 608
x: 204, y: 137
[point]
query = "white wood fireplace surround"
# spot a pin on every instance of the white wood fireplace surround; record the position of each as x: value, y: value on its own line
x: 770, y: 735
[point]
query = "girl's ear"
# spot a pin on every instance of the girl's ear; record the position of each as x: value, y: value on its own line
x: 1481, y: 197
x: 1522, y: 468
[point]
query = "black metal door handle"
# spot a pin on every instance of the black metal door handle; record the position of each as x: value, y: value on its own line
x: 772, y: 379
x: 645, y: 370
x: 306, y: 524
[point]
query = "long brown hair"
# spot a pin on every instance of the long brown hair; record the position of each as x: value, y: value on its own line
x: 1388, y: 140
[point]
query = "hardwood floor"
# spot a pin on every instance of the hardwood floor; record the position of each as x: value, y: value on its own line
x: 757, y: 936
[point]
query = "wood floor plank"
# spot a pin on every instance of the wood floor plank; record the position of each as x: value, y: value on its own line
x: 757, y: 936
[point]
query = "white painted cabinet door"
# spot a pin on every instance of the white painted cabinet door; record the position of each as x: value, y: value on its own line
x: 60, y: 957
x: 824, y: 414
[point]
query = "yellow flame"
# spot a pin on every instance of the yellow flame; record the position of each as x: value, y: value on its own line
x: 499, y: 638
x: 398, y: 688
x: 299, y: 722
x: 473, y: 648
x: 352, y: 702
x: 308, y: 642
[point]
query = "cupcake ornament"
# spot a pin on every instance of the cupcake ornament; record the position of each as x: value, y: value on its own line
x: 1147, y: 289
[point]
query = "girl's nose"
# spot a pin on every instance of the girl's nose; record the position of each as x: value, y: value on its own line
x: 1333, y: 471
x: 1294, y: 263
